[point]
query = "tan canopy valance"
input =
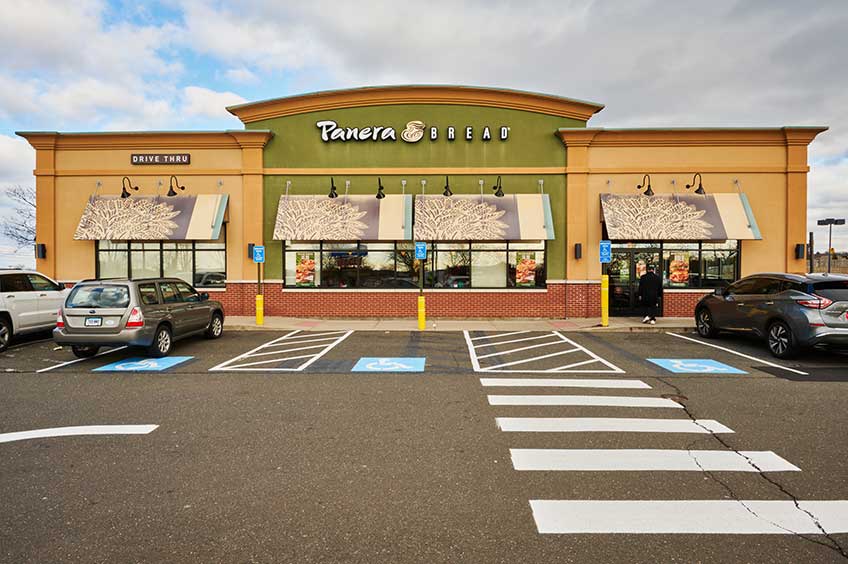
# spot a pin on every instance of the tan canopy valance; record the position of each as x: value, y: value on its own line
x: 688, y: 217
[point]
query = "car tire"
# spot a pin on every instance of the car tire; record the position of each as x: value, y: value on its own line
x: 6, y: 333
x: 781, y: 341
x: 216, y: 326
x: 163, y: 341
x: 82, y: 351
x: 705, y: 324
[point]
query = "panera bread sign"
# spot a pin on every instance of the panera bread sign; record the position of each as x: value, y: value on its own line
x: 414, y: 132
x: 161, y: 159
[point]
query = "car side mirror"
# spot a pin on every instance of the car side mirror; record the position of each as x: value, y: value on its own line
x: 204, y: 296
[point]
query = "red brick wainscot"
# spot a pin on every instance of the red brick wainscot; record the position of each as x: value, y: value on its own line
x: 239, y: 299
x: 681, y: 303
x: 583, y: 299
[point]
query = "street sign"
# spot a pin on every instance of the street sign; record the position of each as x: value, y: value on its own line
x: 258, y: 253
x: 606, y: 252
x: 695, y: 366
x: 388, y: 364
x: 420, y: 250
x: 144, y: 364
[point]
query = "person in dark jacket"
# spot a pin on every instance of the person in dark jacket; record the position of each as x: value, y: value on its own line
x: 650, y: 293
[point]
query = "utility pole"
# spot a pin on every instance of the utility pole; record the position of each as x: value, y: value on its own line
x: 830, y: 222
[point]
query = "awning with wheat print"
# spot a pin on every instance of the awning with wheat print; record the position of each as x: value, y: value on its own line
x: 512, y: 217
x: 153, y: 218
x: 688, y: 217
x: 346, y: 218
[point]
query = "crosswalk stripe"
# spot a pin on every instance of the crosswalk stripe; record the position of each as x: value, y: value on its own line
x: 575, y: 400
x: 746, y: 517
x: 603, y: 424
x: 601, y: 460
x: 565, y: 383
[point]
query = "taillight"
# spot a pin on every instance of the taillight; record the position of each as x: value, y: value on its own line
x: 135, y: 319
x: 60, y: 321
x: 818, y: 302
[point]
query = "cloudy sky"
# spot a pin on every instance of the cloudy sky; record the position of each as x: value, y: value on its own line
x: 125, y: 65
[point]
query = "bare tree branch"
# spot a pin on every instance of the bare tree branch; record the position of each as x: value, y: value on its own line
x: 18, y: 224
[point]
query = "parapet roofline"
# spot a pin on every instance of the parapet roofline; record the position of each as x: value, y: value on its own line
x: 142, y: 140
x: 689, y: 136
x: 416, y: 94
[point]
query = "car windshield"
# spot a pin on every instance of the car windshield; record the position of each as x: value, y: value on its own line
x: 107, y: 296
x: 836, y: 290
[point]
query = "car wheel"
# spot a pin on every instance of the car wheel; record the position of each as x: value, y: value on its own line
x: 84, y: 351
x: 5, y: 333
x: 162, y: 342
x: 704, y: 323
x: 216, y: 326
x: 781, y: 341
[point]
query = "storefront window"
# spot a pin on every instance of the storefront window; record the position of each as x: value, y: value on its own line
x: 392, y: 265
x: 200, y: 263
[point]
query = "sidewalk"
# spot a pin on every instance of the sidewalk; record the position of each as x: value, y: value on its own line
x: 616, y: 324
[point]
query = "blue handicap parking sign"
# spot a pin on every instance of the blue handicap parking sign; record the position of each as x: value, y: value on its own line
x: 389, y: 364
x: 143, y: 364
x: 258, y: 253
x: 695, y: 366
x: 606, y: 251
x: 420, y: 250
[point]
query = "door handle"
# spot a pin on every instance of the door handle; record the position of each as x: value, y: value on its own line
x: 42, y: 295
x: 10, y: 296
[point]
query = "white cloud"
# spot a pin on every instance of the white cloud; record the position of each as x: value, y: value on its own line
x: 17, y: 160
x: 198, y: 101
x: 242, y: 75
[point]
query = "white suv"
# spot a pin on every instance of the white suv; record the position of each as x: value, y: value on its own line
x: 29, y: 302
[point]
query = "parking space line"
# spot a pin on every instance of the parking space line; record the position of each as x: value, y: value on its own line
x: 76, y: 431
x: 19, y: 345
x: 244, y: 363
x: 635, y: 460
x: 608, y: 424
x: 574, y: 400
x: 564, y: 383
x: 474, y: 344
x: 737, y: 353
x: 76, y: 360
x: 743, y: 517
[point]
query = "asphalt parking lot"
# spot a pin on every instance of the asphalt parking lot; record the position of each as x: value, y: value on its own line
x: 340, y: 446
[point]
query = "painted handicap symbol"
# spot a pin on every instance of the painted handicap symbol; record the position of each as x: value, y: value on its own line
x: 389, y: 364
x: 143, y: 364
x: 695, y: 366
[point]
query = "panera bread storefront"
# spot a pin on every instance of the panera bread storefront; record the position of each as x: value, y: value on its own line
x: 512, y: 192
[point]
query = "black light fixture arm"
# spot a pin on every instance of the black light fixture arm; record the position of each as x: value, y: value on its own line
x: 646, y: 182
x: 174, y: 183
x: 126, y: 186
x: 700, y: 189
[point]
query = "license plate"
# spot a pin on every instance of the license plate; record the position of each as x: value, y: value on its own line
x: 93, y: 321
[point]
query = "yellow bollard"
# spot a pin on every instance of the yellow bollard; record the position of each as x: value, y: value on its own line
x: 422, y: 314
x: 604, y: 300
x: 260, y: 309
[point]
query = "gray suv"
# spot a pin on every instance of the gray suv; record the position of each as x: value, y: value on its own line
x: 790, y: 311
x: 150, y: 313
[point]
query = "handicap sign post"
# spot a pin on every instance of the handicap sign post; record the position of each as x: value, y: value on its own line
x: 605, y: 258
x: 259, y: 259
x: 421, y: 254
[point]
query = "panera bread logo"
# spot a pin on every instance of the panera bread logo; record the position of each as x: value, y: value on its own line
x: 161, y: 159
x: 414, y: 132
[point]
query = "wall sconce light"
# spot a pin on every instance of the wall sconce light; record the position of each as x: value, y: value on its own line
x: 799, y: 250
x: 174, y: 183
x: 333, y: 193
x: 498, y: 188
x: 447, y: 192
x: 40, y: 251
x: 700, y: 188
x: 380, y: 193
x: 578, y: 250
x: 250, y: 250
x: 127, y: 183
x: 646, y: 181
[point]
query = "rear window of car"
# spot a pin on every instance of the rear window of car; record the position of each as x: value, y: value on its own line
x: 105, y: 296
x: 836, y: 290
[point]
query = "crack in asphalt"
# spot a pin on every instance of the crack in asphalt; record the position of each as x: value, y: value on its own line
x: 833, y: 544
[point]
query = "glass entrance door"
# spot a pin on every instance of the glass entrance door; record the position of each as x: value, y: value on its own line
x: 625, y: 269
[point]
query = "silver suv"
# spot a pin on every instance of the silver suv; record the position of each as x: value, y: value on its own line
x: 790, y: 311
x: 28, y: 303
x: 149, y: 312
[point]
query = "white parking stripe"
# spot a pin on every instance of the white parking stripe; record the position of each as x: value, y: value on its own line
x: 55, y: 366
x: 527, y: 348
x: 573, y: 400
x: 526, y: 360
x: 573, y: 365
x: 607, y: 424
x: 564, y: 383
x: 606, y: 460
x: 75, y: 431
x: 536, y: 338
x: 244, y: 363
x: 731, y: 351
x: 746, y: 517
x: 497, y: 336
